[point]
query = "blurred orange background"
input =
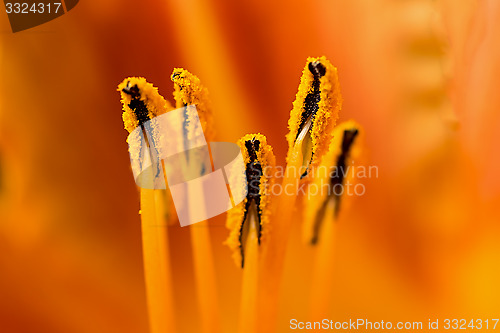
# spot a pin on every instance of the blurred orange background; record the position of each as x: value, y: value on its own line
x: 421, y: 77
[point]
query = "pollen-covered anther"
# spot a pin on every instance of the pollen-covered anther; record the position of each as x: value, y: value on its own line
x: 315, y: 111
x: 252, y: 214
x: 188, y: 91
x: 339, y: 162
x: 141, y: 102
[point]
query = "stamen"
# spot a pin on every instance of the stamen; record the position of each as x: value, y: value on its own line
x: 315, y: 111
x: 189, y: 93
x: 313, y: 97
x: 141, y: 102
x: 338, y: 161
x: 260, y: 163
x: 188, y: 90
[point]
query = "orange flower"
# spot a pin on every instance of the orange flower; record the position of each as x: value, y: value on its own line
x: 419, y: 76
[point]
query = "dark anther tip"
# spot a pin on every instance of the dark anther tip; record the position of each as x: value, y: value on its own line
x: 352, y: 131
x: 252, y: 147
x: 348, y: 139
x: 132, y: 91
x: 175, y: 75
x: 317, y: 69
